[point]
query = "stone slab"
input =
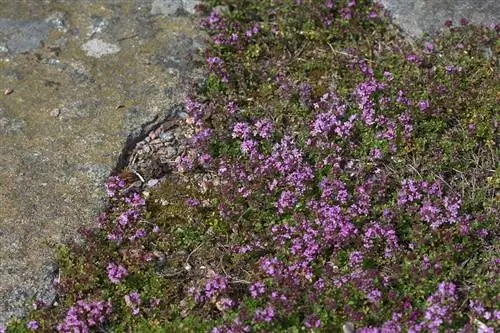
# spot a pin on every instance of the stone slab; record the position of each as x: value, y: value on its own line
x: 83, y: 77
x: 417, y: 17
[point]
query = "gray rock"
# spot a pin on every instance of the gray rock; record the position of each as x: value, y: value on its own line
x: 57, y: 20
x: 424, y: 16
x: 22, y: 36
x: 190, y: 5
x: 166, y: 7
x: 97, y: 48
x: 52, y: 168
x: 173, y: 7
x: 10, y: 126
x: 168, y: 136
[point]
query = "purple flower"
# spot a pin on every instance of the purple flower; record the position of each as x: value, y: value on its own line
x: 84, y: 315
x: 139, y: 233
x: 270, y: 266
x: 205, y: 160
x: 413, y: 59
x: 32, y: 325
x: 287, y: 200
x: 423, y: 105
x: 128, y: 216
x: 440, y: 306
x: 233, y: 38
x: 113, y: 184
x: 135, y: 200
x: 374, y: 296
x: 154, y: 302
x: 375, y: 154
x: 116, y: 272
x: 312, y: 321
x: 225, y: 303
x: 249, y: 147
x: 485, y: 329
x: 214, y: 60
x: 184, y: 163
x: 355, y: 258
x: 263, y: 128
x: 232, y: 107
x: 202, y: 136
x: 192, y: 202
x: 257, y: 289
x: 265, y: 315
x: 252, y: 31
x: 429, y: 46
x: 496, y: 314
x: 215, y: 286
x: 346, y: 13
x: 133, y: 301
x: 305, y: 93
x: 241, y: 130
x: 452, y: 69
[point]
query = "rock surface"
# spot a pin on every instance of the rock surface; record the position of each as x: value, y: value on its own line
x: 417, y: 17
x: 83, y: 76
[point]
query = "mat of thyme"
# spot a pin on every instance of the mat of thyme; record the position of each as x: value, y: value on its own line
x: 339, y: 178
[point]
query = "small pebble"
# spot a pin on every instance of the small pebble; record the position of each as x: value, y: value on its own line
x: 168, y: 136
x: 348, y: 327
x: 152, y: 182
x: 55, y: 113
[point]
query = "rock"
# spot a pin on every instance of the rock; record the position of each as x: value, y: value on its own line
x: 190, y: 5
x: 10, y: 126
x: 348, y: 327
x: 97, y: 48
x: 55, y: 112
x: 42, y: 54
x: 22, y: 36
x: 174, y: 7
x: 57, y: 20
x: 168, y: 136
x: 423, y: 16
x: 166, y: 7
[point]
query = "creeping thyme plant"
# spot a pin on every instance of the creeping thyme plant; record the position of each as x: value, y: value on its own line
x: 340, y: 177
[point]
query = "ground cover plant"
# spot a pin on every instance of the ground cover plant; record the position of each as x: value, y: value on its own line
x: 340, y: 178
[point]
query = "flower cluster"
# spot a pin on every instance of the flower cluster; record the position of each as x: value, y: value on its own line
x: 85, y: 315
x: 133, y: 301
x: 346, y: 181
x: 343, y: 219
x: 116, y: 272
x: 113, y: 184
x: 429, y: 203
